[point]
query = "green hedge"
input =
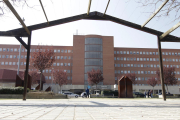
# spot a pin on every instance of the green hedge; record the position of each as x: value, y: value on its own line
x: 110, y: 92
x: 12, y: 90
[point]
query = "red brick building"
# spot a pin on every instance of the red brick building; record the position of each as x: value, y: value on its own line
x: 98, y: 52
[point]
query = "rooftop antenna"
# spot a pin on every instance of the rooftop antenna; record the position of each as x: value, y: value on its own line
x: 76, y: 32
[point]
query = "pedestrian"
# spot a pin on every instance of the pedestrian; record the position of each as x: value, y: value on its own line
x: 145, y: 94
x: 87, y: 93
x: 151, y: 93
x: 148, y: 93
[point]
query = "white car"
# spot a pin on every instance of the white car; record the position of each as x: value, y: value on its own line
x: 70, y: 94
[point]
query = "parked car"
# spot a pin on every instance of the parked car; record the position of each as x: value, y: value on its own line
x: 161, y: 93
x: 139, y: 94
x: 83, y: 94
x: 70, y: 94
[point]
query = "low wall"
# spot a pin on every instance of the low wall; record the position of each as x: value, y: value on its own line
x: 34, y: 95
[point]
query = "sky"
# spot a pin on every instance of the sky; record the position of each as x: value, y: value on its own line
x: 62, y: 35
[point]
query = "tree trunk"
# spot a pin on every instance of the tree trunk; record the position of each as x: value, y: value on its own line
x: 153, y: 90
x: 40, y: 81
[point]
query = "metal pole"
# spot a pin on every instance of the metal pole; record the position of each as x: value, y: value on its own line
x: 27, y: 67
x: 19, y: 59
x: 161, y: 69
x: 52, y: 78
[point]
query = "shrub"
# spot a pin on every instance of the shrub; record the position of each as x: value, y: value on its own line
x: 12, y: 90
x: 110, y: 92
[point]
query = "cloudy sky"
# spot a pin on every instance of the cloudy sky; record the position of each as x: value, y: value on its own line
x: 60, y: 35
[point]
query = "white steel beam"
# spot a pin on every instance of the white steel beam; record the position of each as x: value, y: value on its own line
x: 169, y: 31
x: 155, y: 13
x: 16, y: 14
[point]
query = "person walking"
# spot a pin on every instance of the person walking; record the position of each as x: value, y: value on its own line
x: 87, y: 93
x: 151, y: 94
x: 148, y: 93
x: 145, y: 94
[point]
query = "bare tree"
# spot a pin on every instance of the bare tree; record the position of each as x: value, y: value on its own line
x: 94, y: 77
x: 59, y: 77
x: 42, y: 59
x: 4, y: 9
x: 152, y: 82
x: 172, y: 7
x: 169, y: 76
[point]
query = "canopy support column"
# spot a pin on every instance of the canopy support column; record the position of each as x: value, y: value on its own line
x: 27, y: 67
x: 161, y: 69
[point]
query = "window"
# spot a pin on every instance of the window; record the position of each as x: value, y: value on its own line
x: 156, y: 53
x: 147, y: 53
x: 140, y: 53
x: 128, y: 65
x: 69, y: 51
x: 141, y: 65
x: 49, y: 77
x: 21, y: 56
x: 62, y: 51
x: 57, y: 64
x: 0, y: 49
x: 46, y: 77
x: 147, y: 59
x: 122, y: 71
x: 169, y: 53
x: 10, y: 56
x: 61, y: 64
x: 128, y: 71
x: 14, y: 63
x: 137, y: 59
x: 137, y: 53
x: 69, y: 64
x: 11, y: 49
x: 117, y: 52
x: 166, y: 53
x: 121, y: 52
x: 2, y: 63
x: 154, y: 59
x: 131, y: 59
x: 65, y: 57
x: 163, y: 53
x: 144, y: 53
x: 54, y: 50
x: 167, y: 66
x: 114, y: 52
x: 135, y: 65
x: 141, y: 59
x: 144, y: 59
x: 118, y: 58
x: 134, y: 52
x: 134, y: 59
x: 131, y: 52
x: 145, y: 65
x: 139, y: 78
x: 150, y: 59
x: 46, y: 71
x: 14, y: 56
x: 139, y: 72
x: 125, y: 72
x: 154, y: 65
x: 175, y: 53
x: 6, y: 63
x: 121, y: 65
x: 7, y: 49
x: 124, y: 65
x: 152, y: 72
x: 54, y: 64
x: 177, y: 66
x: 176, y: 60
x: 127, y: 52
x: 58, y: 51
x: 163, y: 59
x: 145, y: 72
x: 124, y: 52
x: 7, y: 56
x: 173, y: 60
x: 172, y: 53
x: 142, y: 72
x: 65, y: 64
x: 65, y: 51
x: 138, y: 65
x: 148, y: 72
x: 124, y: 59
x: 131, y: 65
x: 150, y: 53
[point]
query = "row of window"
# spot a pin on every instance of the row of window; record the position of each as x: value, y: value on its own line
x: 145, y: 53
x: 139, y: 72
x: 49, y: 77
x: 24, y: 56
x: 144, y: 65
x: 49, y: 71
x: 24, y: 63
x: 32, y: 50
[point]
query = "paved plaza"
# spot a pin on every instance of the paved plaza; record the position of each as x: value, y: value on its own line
x: 90, y: 109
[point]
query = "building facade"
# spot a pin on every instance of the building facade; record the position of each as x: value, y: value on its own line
x: 98, y: 52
